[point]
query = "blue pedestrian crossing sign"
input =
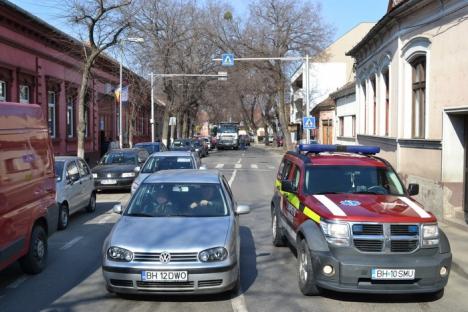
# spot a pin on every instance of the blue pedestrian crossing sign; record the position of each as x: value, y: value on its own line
x: 308, y: 122
x: 227, y: 59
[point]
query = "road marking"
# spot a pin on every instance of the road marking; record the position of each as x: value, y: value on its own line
x: 18, y: 282
x: 239, y: 161
x: 271, y: 167
x: 232, y: 177
x: 219, y: 166
x: 254, y: 166
x: 237, y: 166
x: 71, y: 243
x: 106, y: 219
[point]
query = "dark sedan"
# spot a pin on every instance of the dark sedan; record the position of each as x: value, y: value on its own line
x: 116, y: 170
x: 152, y: 147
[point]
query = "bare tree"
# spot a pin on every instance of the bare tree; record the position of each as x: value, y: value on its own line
x: 103, y: 22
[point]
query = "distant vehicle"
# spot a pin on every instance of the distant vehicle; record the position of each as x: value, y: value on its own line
x: 201, y: 147
x: 227, y: 135
x: 178, y: 234
x: 182, y: 145
x: 167, y: 161
x: 152, y: 147
x: 279, y: 141
x: 208, y: 142
x: 117, y: 168
x: 75, y: 188
x: 28, y: 211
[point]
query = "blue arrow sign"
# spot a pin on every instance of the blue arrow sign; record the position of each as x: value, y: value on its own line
x: 308, y: 122
x: 227, y: 59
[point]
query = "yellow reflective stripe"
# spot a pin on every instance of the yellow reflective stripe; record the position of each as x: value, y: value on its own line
x: 294, y: 200
x: 308, y: 212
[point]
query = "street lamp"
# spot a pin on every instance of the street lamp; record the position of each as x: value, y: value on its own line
x: 130, y: 39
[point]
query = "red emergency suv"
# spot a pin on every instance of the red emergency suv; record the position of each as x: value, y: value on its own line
x: 354, y: 225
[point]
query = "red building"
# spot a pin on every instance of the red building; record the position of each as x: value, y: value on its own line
x: 40, y: 64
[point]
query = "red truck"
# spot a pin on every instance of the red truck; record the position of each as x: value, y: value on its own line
x: 27, y: 187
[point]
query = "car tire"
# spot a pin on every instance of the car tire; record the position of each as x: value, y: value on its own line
x: 235, y: 290
x: 277, y: 231
x: 36, y: 258
x: 92, y: 203
x: 305, y: 271
x: 64, y: 217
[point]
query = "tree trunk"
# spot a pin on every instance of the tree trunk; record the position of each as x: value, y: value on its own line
x: 185, y: 125
x: 131, y: 123
x: 80, y: 152
x: 283, y: 119
x: 179, y: 125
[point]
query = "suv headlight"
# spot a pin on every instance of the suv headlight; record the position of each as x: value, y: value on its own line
x: 119, y: 254
x: 213, y: 254
x: 336, y: 233
x: 430, y: 235
x: 128, y: 174
x: 95, y: 175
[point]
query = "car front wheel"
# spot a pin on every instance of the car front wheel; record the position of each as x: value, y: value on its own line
x: 63, y: 217
x: 92, y: 203
x: 277, y: 231
x: 306, y: 274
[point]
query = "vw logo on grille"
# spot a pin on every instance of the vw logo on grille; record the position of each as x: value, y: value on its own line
x: 165, y: 257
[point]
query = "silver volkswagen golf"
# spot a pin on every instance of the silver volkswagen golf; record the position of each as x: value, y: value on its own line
x: 178, y: 234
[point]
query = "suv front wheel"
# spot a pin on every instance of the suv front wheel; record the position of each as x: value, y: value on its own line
x: 277, y: 231
x: 305, y: 270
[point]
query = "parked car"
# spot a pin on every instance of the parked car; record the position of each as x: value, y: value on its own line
x: 208, y: 142
x: 118, y: 168
x: 201, y: 147
x: 279, y: 141
x: 152, y: 147
x: 182, y: 145
x: 194, y: 244
x: 75, y: 188
x: 167, y: 161
x: 28, y: 211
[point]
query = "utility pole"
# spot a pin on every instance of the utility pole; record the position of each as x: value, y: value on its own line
x: 306, y: 78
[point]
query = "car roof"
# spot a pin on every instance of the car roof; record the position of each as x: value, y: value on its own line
x: 184, y: 176
x: 65, y: 158
x: 148, y: 143
x: 172, y: 153
x: 126, y: 150
x: 342, y: 159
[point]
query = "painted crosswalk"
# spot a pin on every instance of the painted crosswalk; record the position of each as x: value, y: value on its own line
x: 240, y: 166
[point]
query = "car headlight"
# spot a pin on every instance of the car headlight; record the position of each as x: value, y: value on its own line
x: 119, y: 254
x: 430, y: 235
x: 213, y: 254
x: 95, y: 175
x: 336, y: 233
x: 128, y: 174
x: 197, y: 149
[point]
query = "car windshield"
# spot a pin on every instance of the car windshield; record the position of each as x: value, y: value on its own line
x: 197, y: 143
x: 228, y: 129
x: 181, y: 144
x: 151, y: 148
x: 59, y: 170
x: 352, y: 180
x: 119, y: 158
x: 178, y: 200
x: 157, y: 163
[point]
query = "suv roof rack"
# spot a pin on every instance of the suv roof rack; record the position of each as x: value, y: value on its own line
x: 331, y: 148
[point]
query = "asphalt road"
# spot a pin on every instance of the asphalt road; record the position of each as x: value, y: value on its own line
x: 73, y: 281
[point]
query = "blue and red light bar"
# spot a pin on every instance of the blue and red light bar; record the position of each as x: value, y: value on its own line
x: 322, y: 148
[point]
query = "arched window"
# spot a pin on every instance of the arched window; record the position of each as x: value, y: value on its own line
x: 419, y: 96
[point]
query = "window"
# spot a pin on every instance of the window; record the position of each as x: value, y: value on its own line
x: 24, y: 94
x: 354, y: 125
x: 70, y: 117
x: 51, y: 116
x: 387, y: 101
x: 296, y: 178
x: 2, y: 91
x: 72, y: 170
x: 341, y: 126
x: 419, y: 96
x: 374, y: 105
x: 83, y: 168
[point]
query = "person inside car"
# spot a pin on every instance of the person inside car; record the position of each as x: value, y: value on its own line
x: 208, y: 198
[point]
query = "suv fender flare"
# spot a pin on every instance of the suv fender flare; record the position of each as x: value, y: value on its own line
x: 311, y: 232
x: 444, y: 244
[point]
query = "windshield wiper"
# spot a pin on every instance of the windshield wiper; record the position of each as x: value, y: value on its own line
x: 321, y: 193
x: 139, y: 214
x: 367, y: 192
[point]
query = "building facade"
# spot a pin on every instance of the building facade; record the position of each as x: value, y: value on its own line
x: 410, y: 72
x: 345, y: 111
x: 40, y: 64
x: 327, y: 73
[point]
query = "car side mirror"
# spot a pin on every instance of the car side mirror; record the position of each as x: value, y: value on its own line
x: 117, y: 209
x: 413, y: 189
x: 137, y: 169
x: 287, y: 186
x: 242, y: 209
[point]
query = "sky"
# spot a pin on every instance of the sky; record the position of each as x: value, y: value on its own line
x: 343, y: 15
